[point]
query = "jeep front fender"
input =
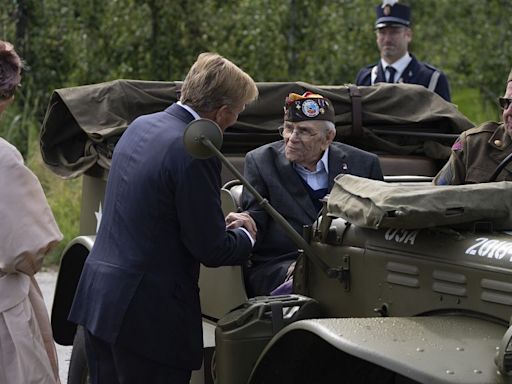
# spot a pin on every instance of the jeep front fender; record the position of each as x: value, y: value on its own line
x: 71, y: 264
x: 436, y: 349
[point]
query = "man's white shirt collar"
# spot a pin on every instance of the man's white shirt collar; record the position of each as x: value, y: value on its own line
x: 320, y: 177
x: 399, y: 65
x: 193, y: 113
x: 324, y: 161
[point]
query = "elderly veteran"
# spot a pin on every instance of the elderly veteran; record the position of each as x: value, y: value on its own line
x: 293, y: 175
x: 396, y: 64
x: 478, y: 151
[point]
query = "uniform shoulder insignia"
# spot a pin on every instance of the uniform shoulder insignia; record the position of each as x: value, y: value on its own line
x: 489, y: 126
x: 458, y: 145
x: 370, y: 66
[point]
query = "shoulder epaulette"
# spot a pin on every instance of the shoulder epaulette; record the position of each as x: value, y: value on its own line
x: 429, y: 66
x: 489, y: 126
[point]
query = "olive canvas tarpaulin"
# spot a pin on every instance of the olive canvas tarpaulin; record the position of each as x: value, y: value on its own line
x: 82, y: 124
x: 377, y: 204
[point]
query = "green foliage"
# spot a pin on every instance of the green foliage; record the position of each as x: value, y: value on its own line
x: 63, y: 196
x: 74, y: 42
x: 471, y: 105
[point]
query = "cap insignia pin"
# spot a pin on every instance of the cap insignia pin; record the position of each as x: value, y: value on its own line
x: 310, y: 108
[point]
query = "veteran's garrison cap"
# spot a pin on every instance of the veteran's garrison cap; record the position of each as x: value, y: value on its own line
x: 308, y: 106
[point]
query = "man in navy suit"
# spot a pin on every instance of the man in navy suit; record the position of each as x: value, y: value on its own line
x: 393, y: 28
x: 138, y: 296
x: 293, y: 175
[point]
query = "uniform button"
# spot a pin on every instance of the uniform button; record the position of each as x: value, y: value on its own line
x: 497, y: 143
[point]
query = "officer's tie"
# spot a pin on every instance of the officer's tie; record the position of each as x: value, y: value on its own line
x: 391, y: 73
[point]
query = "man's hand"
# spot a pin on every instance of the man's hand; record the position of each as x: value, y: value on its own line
x: 242, y: 219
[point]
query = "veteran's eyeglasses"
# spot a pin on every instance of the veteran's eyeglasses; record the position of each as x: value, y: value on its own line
x: 504, y: 102
x: 302, y: 132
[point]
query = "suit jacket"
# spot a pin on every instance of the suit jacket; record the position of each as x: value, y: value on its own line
x: 274, y: 177
x: 161, y: 218
x: 416, y: 72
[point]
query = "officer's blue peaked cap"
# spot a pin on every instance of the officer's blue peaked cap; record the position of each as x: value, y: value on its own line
x: 390, y: 13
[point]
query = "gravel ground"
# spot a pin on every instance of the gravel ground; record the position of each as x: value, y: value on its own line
x: 46, y: 280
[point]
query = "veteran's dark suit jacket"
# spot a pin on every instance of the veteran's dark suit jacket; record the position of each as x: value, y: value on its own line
x: 274, y: 177
x: 161, y: 218
x: 416, y: 72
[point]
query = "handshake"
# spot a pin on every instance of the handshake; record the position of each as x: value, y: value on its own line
x: 241, y: 219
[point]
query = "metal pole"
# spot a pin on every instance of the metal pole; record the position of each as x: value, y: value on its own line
x: 296, y: 238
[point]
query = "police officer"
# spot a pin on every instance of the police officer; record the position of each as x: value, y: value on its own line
x: 393, y: 28
x: 478, y: 151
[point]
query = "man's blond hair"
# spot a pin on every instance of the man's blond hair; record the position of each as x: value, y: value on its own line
x: 214, y: 81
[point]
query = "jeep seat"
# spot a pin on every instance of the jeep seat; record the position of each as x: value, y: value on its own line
x: 401, y: 165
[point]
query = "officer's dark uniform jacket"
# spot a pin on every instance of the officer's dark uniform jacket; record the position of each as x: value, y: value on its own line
x: 416, y: 72
x: 476, y: 154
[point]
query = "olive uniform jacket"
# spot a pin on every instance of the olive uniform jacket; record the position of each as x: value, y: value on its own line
x: 476, y: 154
x: 275, y: 178
x: 162, y: 216
x: 416, y: 72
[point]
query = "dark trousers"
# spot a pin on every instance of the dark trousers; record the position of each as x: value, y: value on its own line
x: 111, y: 364
x: 261, y: 278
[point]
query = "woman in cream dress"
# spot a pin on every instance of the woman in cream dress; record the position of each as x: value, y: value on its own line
x: 28, y: 231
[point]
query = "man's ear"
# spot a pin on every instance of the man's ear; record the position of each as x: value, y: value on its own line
x: 221, y: 111
x: 221, y: 115
x: 408, y: 33
x: 331, y: 134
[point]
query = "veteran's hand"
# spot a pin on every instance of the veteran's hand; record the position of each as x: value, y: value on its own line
x: 242, y: 219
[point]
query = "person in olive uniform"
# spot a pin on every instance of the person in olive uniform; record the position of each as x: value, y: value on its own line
x: 478, y: 151
x: 397, y: 65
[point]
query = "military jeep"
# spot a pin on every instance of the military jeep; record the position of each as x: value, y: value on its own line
x: 387, y: 305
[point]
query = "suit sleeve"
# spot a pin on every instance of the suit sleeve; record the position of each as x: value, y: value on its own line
x: 203, y: 229
x: 376, y: 170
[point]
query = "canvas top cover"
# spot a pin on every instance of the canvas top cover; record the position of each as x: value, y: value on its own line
x: 82, y: 124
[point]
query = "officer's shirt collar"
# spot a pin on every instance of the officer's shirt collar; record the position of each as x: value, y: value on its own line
x: 399, y: 65
x: 192, y: 112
